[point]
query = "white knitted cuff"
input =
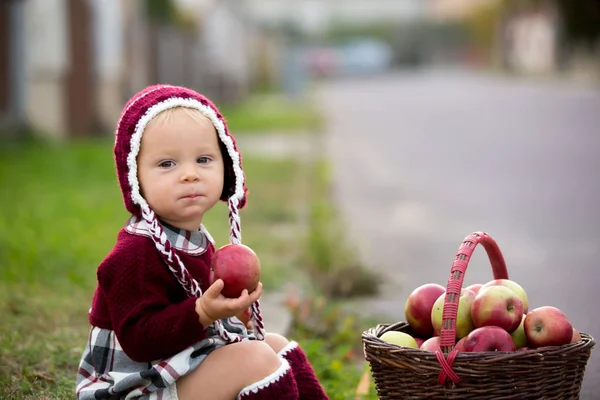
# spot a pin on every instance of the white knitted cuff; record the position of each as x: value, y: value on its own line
x: 288, y: 347
x: 263, y: 383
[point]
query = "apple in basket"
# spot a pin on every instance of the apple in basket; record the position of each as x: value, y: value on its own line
x: 474, y: 287
x: 239, y: 268
x: 460, y: 345
x: 488, y: 338
x: 547, y: 326
x: 464, y: 322
x: 434, y: 343
x: 398, y: 338
x: 576, y: 336
x: 417, y: 308
x: 515, y: 287
x: 431, y: 344
x: 518, y: 335
x: 498, y: 306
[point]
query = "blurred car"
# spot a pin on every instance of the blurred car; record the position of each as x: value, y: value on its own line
x: 364, y: 57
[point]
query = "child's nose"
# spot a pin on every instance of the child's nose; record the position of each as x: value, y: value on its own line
x: 190, y: 175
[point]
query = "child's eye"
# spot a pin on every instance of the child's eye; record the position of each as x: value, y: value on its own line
x: 203, y: 160
x: 166, y: 164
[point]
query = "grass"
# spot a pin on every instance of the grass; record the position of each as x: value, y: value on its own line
x: 264, y: 114
x: 331, y: 262
x: 63, y: 209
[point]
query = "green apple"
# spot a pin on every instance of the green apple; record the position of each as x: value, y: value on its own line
x: 519, y: 336
x: 464, y: 322
x: 515, y: 287
x: 399, y: 339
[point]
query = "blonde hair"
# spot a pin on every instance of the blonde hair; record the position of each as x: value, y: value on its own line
x: 165, y: 116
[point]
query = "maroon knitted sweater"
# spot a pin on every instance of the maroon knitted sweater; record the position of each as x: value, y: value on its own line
x: 140, y: 299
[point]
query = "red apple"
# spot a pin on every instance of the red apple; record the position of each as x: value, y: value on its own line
x: 515, y: 287
x: 464, y: 322
x: 431, y: 344
x: 417, y: 308
x: 460, y: 345
x: 576, y: 336
x: 488, y: 338
x: 419, y: 341
x: 474, y: 287
x: 497, y: 306
x: 239, y: 268
x: 547, y: 326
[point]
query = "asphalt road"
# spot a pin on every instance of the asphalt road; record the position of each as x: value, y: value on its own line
x: 422, y: 159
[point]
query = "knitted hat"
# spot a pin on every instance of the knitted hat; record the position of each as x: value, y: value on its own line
x: 137, y: 113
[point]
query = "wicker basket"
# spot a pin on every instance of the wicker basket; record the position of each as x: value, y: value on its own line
x: 404, y: 373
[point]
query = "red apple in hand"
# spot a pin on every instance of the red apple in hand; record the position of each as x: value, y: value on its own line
x: 417, y: 308
x: 547, y: 326
x: 497, y: 306
x: 239, y: 268
x: 488, y: 338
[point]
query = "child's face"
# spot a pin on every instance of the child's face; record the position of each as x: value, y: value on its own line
x: 180, y: 169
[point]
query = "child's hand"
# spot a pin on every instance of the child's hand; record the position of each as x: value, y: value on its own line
x: 213, y: 305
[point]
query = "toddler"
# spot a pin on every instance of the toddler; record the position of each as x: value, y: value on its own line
x: 159, y: 330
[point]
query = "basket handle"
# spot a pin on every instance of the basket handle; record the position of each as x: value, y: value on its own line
x: 453, y: 290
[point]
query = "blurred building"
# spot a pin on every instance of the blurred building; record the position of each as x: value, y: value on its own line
x: 452, y: 10
x: 68, y: 66
x: 314, y: 16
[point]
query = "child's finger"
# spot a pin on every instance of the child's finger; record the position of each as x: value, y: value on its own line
x: 215, y: 289
x: 255, y: 295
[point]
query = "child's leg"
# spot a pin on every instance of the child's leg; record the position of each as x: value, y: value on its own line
x: 309, y: 387
x: 276, y: 341
x: 233, y: 368
x: 280, y: 385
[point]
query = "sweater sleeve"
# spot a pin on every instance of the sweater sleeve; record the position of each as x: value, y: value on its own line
x: 146, y: 320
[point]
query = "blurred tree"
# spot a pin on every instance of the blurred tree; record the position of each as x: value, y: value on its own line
x: 581, y: 20
x: 161, y: 10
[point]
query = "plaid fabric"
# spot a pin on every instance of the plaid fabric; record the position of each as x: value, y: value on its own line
x: 193, y: 243
x: 106, y: 372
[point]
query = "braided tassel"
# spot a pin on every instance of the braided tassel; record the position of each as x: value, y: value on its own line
x: 235, y: 237
x: 257, y: 321
x: 235, y: 233
x: 183, y: 276
x: 189, y: 284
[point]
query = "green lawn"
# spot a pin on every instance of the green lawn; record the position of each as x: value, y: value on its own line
x: 264, y: 114
x: 61, y: 208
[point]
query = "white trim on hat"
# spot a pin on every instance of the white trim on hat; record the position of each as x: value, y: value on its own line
x: 207, y: 111
x: 159, y: 87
